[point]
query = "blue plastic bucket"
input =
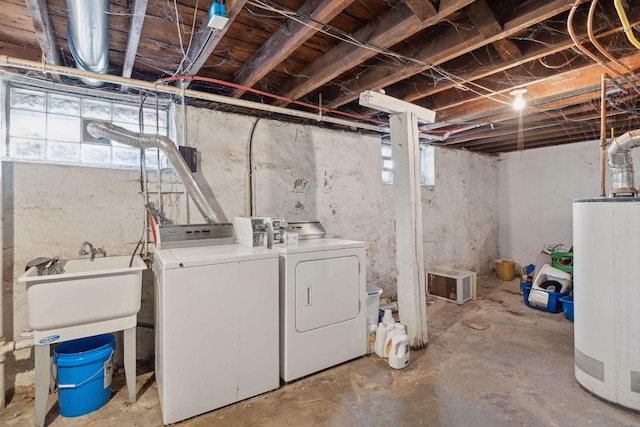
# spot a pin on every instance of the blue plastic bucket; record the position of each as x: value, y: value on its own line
x: 567, y: 306
x: 85, y: 369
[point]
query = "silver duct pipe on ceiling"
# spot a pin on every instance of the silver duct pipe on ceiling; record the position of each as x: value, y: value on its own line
x: 621, y: 163
x: 140, y: 140
x: 88, y: 36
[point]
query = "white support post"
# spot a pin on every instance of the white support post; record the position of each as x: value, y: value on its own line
x: 408, y: 217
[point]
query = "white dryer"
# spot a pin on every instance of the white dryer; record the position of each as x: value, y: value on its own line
x: 216, y: 327
x: 322, y: 302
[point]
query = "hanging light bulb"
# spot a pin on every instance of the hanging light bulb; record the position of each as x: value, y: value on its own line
x: 519, y: 102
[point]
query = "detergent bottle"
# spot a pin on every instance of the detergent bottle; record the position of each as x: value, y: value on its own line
x: 399, y: 354
x: 371, y: 335
x: 381, y: 339
x: 391, y: 331
x: 388, y: 319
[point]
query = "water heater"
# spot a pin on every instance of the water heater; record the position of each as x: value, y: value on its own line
x: 606, y: 233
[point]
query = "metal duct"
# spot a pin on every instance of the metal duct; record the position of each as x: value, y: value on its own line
x: 88, y: 36
x: 621, y: 163
x: 140, y: 140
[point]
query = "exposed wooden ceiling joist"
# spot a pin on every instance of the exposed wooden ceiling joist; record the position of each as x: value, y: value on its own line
x: 207, y: 39
x: 138, y: 12
x: 44, y: 31
x: 460, y: 58
x: 394, y: 26
x: 290, y: 36
x: 444, y: 47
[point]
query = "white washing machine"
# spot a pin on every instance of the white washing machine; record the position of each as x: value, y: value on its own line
x: 216, y: 327
x: 322, y: 302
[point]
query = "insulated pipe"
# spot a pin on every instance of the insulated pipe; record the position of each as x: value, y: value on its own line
x: 26, y: 340
x: 140, y: 140
x: 620, y: 161
x: 88, y: 36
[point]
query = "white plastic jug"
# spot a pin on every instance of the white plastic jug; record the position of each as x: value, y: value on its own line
x: 381, y: 339
x: 388, y: 319
x: 391, y: 331
x: 399, y: 355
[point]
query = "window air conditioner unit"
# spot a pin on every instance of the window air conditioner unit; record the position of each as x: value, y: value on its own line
x: 456, y: 286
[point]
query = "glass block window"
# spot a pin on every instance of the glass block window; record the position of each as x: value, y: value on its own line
x: 427, y: 163
x: 44, y: 125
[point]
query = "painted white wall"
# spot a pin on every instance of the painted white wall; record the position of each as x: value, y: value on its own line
x: 301, y: 172
x: 460, y: 214
x: 309, y: 173
x: 537, y: 189
x: 49, y: 210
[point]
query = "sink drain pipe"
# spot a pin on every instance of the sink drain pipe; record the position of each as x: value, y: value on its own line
x: 26, y: 340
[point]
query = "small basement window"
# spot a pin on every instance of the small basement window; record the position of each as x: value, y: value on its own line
x: 50, y: 125
x: 427, y: 163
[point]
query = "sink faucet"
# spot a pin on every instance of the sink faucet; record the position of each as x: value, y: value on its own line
x: 92, y: 252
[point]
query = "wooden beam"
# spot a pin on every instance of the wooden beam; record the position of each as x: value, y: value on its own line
x: 507, y: 49
x: 547, y: 44
x: 291, y: 35
x: 569, y: 83
x: 390, y: 28
x: 39, y: 13
x: 483, y: 19
x: 423, y: 9
x: 207, y: 39
x: 22, y: 52
x: 449, y: 45
x: 138, y: 12
x: 500, y: 86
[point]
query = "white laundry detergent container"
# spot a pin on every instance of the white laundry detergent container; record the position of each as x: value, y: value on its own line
x: 85, y: 370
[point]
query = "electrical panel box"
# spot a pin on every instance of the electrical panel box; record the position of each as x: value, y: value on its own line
x: 189, y: 156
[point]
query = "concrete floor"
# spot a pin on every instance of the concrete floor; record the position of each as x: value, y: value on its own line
x: 489, y: 362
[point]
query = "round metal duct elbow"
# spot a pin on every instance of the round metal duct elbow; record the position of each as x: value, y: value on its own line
x: 140, y: 140
x: 621, y: 163
x: 88, y: 36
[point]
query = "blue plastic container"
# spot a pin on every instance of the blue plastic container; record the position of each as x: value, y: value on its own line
x: 85, y: 369
x: 567, y: 306
x: 554, y: 305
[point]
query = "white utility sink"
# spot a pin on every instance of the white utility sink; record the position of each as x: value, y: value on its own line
x: 89, y: 291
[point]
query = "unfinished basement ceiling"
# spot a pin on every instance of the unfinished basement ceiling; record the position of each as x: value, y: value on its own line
x: 461, y: 58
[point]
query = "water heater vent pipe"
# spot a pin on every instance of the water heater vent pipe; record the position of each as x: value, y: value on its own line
x: 621, y: 163
x: 141, y: 140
